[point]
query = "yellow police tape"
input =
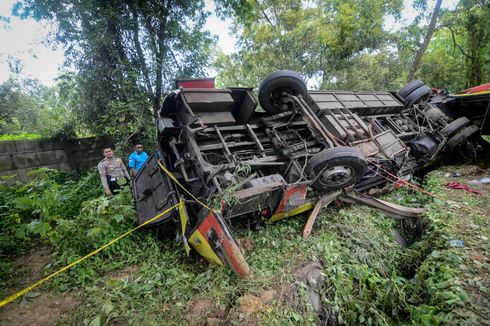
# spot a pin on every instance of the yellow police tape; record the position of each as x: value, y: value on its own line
x: 47, y: 278
x: 38, y: 283
x: 181, y: 186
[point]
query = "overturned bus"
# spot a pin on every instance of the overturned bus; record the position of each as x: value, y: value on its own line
x: 225, y: 158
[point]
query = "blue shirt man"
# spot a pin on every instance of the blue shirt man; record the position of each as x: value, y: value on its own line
x: 137, y: 159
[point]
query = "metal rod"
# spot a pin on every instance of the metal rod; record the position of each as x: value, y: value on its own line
x: 223, y: 143
x: 255, y: 138
x: 317, y: 124
x: 485, y: 117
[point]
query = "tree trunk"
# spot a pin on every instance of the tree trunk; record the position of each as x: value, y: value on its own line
x: 474, y: 64
x: 140, y: 56
x: 425, y: 44
x: 160, y: 54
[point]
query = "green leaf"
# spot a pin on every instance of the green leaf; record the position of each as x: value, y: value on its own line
x: 107, y: 308
x: 93, y: 232
x: 43, y: 228
x: 95, y: 321
x: 23, y: 203
x: 118, y: 218
x: 20, y: 233
x: 32, y: 294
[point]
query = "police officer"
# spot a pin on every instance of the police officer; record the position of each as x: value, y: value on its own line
x: 137, y: 159
x: 113, y: 173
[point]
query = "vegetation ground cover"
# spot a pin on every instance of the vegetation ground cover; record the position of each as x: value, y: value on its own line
x: 125, y: 57
x: 146, y: 278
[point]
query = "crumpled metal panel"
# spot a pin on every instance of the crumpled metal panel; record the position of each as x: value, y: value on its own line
x: 153, y: 192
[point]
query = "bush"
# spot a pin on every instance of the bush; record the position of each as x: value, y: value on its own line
x: 21, y: 136
x: 35, y: 212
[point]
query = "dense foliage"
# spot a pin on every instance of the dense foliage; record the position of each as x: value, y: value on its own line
x: 28, y: 107
x: 369, y: 278
x: 317, y: 38
x: 127, y: 54
x: 348, y: 44
x: 69, y: 215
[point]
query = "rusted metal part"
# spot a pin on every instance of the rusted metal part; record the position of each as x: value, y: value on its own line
x: 324, y: 201
x: 393, y: 210
x: 348, y: 195
x: 292, y: 202
x: 310, y: 116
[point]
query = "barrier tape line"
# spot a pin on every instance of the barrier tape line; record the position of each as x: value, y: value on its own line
x: 417, y: 188
x: 181, y: 186
x: 47, y: 278
x: 411, y: 185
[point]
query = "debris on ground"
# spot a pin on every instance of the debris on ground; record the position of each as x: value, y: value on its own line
x: 125, y: 274
x: 456, y: 243
x: 247, y: 244
x: 311, y: 278
x: 481, y: 181
x: 457, y: 185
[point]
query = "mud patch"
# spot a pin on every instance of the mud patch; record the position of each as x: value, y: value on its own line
x: 246, y: 243
x: 205, y: 311
x: 29, y: 268
x: 250, y: 304
x: 34, y: 308
x: 41, y: 310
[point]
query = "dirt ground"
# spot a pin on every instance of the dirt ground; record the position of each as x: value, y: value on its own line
x: 35, y: 308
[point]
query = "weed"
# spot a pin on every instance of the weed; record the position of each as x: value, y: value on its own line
x: 369, y: 278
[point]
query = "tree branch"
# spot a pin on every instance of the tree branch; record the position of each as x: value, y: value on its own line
x: 456, y: 45
x: 176, y: 61
x: 265, y: 14
x: 151, y: 36
x: 6, y: 115
x: 425, y: 44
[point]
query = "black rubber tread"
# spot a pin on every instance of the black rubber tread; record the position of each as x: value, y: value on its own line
x: 288, y: 79
x: 331, y: 157
x: 333, y: 152
x: 462, y: 136
x: 410, y: 87
x: 418, y: 95
x: 454, y: 126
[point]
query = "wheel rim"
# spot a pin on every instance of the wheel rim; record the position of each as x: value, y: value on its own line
x: 336, y: 176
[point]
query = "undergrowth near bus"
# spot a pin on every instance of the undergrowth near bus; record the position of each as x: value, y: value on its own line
x: 370, y: 279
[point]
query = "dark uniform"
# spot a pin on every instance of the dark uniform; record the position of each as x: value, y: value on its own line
x: 113, y: 174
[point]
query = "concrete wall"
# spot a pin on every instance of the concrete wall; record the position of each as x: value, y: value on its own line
x: 19, y: 157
